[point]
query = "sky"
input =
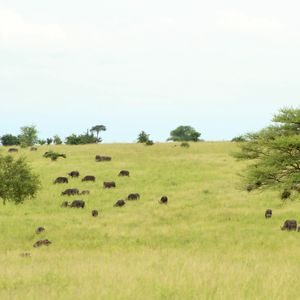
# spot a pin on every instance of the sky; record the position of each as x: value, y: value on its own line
x: 223, y: 67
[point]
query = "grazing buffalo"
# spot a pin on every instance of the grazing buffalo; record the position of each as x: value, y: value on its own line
x: 268, y: 213
x: 65, y: 204
x: 163, y: 200
x: 124, y: 173
x: 41, y: 243
x: 109, y: 185
x: 289, y: 225
x: 85, y: 192
x: 39, y: 230
x: 119, y: 203
x: 46, y: 153
x: 89, y: 178
x: 78, y: 204
x: 70, y: 192
x: 33, y: 149
x: 61, y: 180
x: 94, y: 213
x: 74, y: 174
x: 11, y: 150
x: 135, y: 196
x: 285, y: 195
x: 102, y: 158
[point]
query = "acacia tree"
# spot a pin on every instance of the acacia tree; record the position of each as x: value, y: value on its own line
x: 275, y: 152
x: 184, y: 134
x: 97, y: 129
x: 143, y: 137
x: 17, y: 182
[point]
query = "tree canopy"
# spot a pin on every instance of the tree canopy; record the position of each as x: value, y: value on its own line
x: 184, y: 134
x: 28, y: 136
x: 17, y: 182
x: 9, y: 140
x: 275, y: 152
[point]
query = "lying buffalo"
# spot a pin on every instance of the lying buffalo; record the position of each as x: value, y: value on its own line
x: 135, y: 196
x: 163, y: 200
x: 108, y: 185
x: 102, y: 158
x: 61, y: 180
x: 41, y: 243
x: 268, y: 213
x: 89, y: 178
x: 289, y: 225
x: 74, y: 174
x: 78, y: 204
x: 119, y: 203
x: 70, y: 192
x: 124, y: 173
x: 11, y: 150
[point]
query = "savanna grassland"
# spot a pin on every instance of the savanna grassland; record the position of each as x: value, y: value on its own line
x: 210, y: 242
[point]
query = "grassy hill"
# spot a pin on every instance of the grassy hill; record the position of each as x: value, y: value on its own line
x: 210, y: 242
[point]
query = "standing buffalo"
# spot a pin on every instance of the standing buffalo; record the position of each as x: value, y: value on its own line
x: 89, y: 178
x: 74, y: 174
x: 164, y: 200
x: 11, y: 150
x: 108, y: 185
x: 289, y: 225
x: 268, y: 213
x: 95, y: 213
x: 102, y: 158
x: 135, y: 196
x: 61, y: 180
x: 124, y: 173
x: 119, y: 203
x: 78, y: 204
x: 70, y: 192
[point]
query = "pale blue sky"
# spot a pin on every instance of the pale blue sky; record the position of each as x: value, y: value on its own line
x: 224, y: 67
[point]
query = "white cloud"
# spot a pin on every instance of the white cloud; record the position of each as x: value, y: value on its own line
x: 15, y: 31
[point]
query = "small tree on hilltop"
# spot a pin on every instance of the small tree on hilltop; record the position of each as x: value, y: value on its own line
x: 184, y: 134
x: 28, y: 136
x: 98, y: 129
x: 17, y: 182
x: 143, y: 137
x: 9, y: 140
x: 275, y: 152
x: 57, y: 140
x: 49, y: 141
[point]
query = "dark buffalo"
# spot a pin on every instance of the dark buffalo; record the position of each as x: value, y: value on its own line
x: 78, y: 204
x: 135, y: 196
x: 11, y: 150
x: 119, y: 203
x: 70, y: 192
x: 39, y: 230
x: 61, y: 180
x: 65, y: 204
x: 89, y: 178
x: 33, y: 149
x: 102, y: 158
x: 163, y: 200
x: 109, y: 185
x: 74, y: 174
x: 41, y: 243
x: 85, y: 192
x: 289, y: 225
x: 46, y: 154
x: 298, y: 228
x: 95, y: 213
x: 285, y: 194
x: 124, y: 173
x: 268, y: 213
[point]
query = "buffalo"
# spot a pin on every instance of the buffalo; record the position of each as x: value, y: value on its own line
x: 285, y: 194
x: 95, y: 213
x: 65, y: 204
x: 135, y: 196
x: 33, y: 149
x: 85, y: 192
x: 61, y: 180
x: 39, y: 230
x: 40, y: 243
x: 78, y: 204
x: 70, y: 192
x: 119, y: 203
x: 163, y: 200
x: 102, y: 158
x: 108, y: 185
x: 89, y: 178
x: 268, y: 213
x: 74, y: 174
x: 11, y: 150
x: 124, y: 173
x: 289, y: 225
